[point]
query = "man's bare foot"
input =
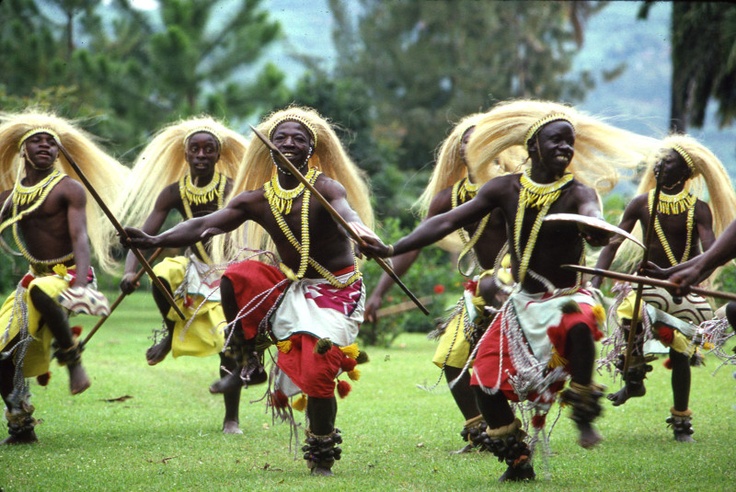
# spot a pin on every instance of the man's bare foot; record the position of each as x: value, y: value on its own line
x: 231, y: 427
x: 322, y: 471
x: 78, y: 379
x: 684, y: 438
x: 158, y: 352
x: 22, y: 438
x: 589, y: 437
x: 230, y: 382
x: 468, y: 448
x: 628, y: 391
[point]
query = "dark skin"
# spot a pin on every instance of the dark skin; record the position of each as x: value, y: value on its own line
x: 550, y: 151
x: 329, y: 246
x: 492, y: 239
x: 58, y: 227
x: 673, y: 172
x: 202, y: 152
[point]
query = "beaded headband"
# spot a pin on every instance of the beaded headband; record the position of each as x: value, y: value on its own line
x: 34, y: 131
x: 686, y: 157
x: 298, y: 119
x: 203, y: 129
x: 547, y: 119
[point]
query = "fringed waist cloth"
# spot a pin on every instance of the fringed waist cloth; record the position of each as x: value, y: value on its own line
x: 257, y: 287
x: 196, y: 287
x: 672, y: 322
x: 523, y: 352
x: 19, y: 315
x: 312, y: 309
x: 298, y: 314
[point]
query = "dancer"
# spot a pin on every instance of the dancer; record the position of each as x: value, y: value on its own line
x: 545, y: 332
x: 187, y: 167
x: 311, y: 305
x: 53, y: 227
x: 684, y: 226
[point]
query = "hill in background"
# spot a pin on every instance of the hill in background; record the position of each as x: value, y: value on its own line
x: 637, y: 100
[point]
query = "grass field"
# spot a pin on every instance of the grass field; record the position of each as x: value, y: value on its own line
x: 166, y: 436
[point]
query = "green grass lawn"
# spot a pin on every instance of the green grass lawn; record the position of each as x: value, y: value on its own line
x: 166, y: 436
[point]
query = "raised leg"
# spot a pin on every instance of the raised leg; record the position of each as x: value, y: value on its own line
x: 158, y: 352
x: 68, y: 352
x: 582, y: 393
x: 634, y: 379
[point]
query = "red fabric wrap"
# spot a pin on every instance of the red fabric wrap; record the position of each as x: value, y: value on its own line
x: 486, y: 364
x: 250, y: 280
x: 313, y: 373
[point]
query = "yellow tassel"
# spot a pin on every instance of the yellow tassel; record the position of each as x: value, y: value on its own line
x: 506, y: 261
x: 354, y: 374
x: 599, y: 313
x: 556, y: 360
x: 708, y: 346
x: 300, y: 403
x: 60, y: 269
x: 351, y: 350
x: 284, y: 346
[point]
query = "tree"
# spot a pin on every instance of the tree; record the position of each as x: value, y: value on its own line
x: 134, y: 71
x: 703, y: 62
x: 428, y: 63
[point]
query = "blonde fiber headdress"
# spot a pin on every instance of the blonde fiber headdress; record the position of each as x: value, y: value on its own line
x: 103, y: 171
x: 709, y: 181
x: 163, y: 162
x: 602, y: 151
x: 450, y: 168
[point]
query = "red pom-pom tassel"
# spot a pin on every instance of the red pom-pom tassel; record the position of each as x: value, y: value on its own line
x: 347, y: 364
x: 666, y: 335
x: 667, y: 363
x: 343, y: 388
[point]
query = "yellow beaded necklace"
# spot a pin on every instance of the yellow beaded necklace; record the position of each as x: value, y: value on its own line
x: 193, y: 195
x: 463, y: 191
x: 281, y: 198
x: 32, y: 197
x: 199, y: 196
x: 276, y: 202
x: 541, y: 197
x: 674, y: 205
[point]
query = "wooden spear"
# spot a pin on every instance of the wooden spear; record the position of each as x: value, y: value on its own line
x: 641, y: 280
x: 640, y: 286
x: 336, y: 216
x: 146, y: 266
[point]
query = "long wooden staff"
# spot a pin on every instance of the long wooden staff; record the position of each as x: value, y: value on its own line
x: 638, y: 279
x: 120, y: 298
x: 336, y: 216
x: 123, y: 235
x: 640, y: 286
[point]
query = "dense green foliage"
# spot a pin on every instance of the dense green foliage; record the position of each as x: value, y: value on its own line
x: 703, y: 62
x: 127, y: 72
